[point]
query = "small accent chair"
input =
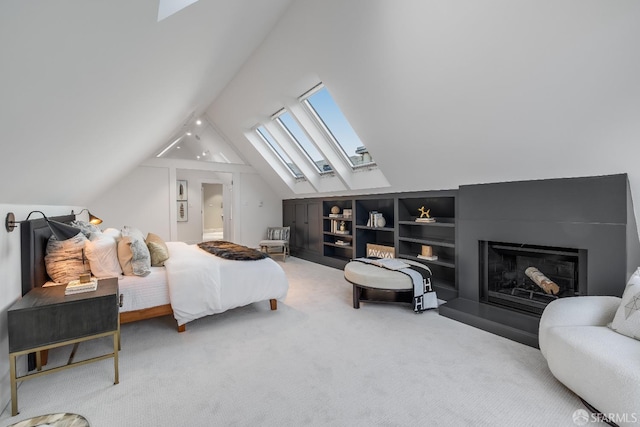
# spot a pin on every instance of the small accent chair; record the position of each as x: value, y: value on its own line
x: 277, y: 241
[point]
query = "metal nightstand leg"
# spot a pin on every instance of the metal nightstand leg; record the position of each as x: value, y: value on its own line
x: 14, y: 385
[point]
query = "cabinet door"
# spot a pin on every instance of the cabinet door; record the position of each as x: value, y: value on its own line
x: 314, y: 222
x: 301, y: 234
x: 289, y: 219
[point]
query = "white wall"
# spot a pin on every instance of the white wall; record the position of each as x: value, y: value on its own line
x: 446, y: 93
x: 256, y: 207
x: 191, y: 231
x: 11, y: 280
x: 146, y: 199
x: 141, y: 200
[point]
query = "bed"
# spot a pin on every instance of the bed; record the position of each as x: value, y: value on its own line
x: 193, y: 283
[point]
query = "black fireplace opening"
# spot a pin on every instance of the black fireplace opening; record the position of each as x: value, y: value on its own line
x: 527, y: 277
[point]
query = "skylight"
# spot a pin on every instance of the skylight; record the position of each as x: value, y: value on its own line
x: 271, y: 142
x: 293, y: 129
x: 336, y: 126
x: 167, y: 8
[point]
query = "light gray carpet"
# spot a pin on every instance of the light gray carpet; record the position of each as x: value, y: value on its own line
x: 315, y: 361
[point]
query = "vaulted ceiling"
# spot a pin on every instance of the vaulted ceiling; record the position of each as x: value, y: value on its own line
x: 441, y: 92
x: 103, y: 83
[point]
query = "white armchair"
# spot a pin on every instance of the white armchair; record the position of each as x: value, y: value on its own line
x: 598, y: 364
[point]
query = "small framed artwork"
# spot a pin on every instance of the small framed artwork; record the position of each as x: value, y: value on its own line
x: 181, y: 189
x: 182, y: 210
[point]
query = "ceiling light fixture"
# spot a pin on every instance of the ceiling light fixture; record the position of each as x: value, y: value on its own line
x: 198, y: 122
x: 188, y: 133
x: 169, y: 147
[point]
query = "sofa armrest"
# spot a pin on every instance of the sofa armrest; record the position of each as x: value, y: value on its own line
x: 577, y: 311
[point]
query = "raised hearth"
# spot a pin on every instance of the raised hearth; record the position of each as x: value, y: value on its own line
x: 588, y: 222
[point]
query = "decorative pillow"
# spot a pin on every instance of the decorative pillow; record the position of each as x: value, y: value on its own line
x: 86, y: 227
x: 64, y: 260
x: 133, y: 256
x: 102, y: 253
x: 278, y: 233
x: 157, y: 249
x: 132, y: 231
x: 113, y: 232
x: 627, y: 318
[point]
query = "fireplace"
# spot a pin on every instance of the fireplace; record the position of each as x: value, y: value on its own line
x: 528, y: 277
x: 578, y: 232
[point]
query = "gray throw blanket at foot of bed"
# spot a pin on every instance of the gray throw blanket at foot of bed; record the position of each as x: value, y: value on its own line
x: 232, y: 251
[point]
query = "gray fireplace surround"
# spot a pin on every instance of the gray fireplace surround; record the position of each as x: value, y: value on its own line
x: 592, y: 214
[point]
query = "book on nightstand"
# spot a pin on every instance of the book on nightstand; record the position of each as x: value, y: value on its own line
x: 75, y: 287
x: 428, y: 258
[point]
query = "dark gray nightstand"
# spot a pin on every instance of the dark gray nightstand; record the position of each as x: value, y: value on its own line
x: 46, y: 318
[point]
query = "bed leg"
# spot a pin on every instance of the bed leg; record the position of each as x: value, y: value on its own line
x: 274, y: 304
x: 182, y: 328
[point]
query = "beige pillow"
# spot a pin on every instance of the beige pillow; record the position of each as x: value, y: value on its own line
x: 64, y: 259
x: 133, y: 256
x: 158, y: 250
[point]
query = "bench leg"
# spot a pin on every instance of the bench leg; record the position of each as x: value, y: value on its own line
x: 356, y: 296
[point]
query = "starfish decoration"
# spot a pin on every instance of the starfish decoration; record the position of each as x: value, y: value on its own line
x: 632, y: 306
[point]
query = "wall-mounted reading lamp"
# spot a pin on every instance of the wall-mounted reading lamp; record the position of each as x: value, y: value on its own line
x: 92, y: 218
x: 60, y: 230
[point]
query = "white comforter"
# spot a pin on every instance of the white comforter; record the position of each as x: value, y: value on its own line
x: 201, y: 284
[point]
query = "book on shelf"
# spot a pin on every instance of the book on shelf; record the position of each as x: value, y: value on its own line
x: 341, y: 231
x: 376, y: 219
x: 428, y: 258
x: 331, y: 215
x: 342, y: 243
x: 425, y: 220
x: 76, y: 287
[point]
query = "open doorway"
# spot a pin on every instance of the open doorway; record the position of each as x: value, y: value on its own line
x: 212, y: 212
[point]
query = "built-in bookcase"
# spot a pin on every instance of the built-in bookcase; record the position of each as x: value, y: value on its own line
x: 375, y: 223
x: 431, y: 243
x: 347, y: 231
x: 337, y: 229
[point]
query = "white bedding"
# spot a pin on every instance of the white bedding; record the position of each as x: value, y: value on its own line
x: 140, y: 292
x: 144, y: 292
x: 201, y: 284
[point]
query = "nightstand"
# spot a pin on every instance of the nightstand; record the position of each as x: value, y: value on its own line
x: 46, y: 318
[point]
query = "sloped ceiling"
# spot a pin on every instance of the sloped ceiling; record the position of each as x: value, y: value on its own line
x: 90, y: 89
x: 446, y: 93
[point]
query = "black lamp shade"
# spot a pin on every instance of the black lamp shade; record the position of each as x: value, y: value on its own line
x: 62, y: 231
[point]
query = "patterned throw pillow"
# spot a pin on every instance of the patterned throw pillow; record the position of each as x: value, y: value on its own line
x: 64, y: 260
x: 158, y: 250
x: 133, y: 254
x: 627, y: 318
x: 278, y: 233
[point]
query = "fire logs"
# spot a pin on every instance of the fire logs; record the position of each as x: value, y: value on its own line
x: 542, y: 281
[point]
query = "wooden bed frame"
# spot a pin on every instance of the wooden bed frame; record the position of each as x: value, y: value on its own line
x: 34, y: 235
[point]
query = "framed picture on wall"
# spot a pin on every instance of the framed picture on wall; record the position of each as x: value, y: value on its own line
x: 181, y: 189
x: 182, y: 210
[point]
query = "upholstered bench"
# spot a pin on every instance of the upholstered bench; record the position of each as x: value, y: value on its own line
x: 372, y: 283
